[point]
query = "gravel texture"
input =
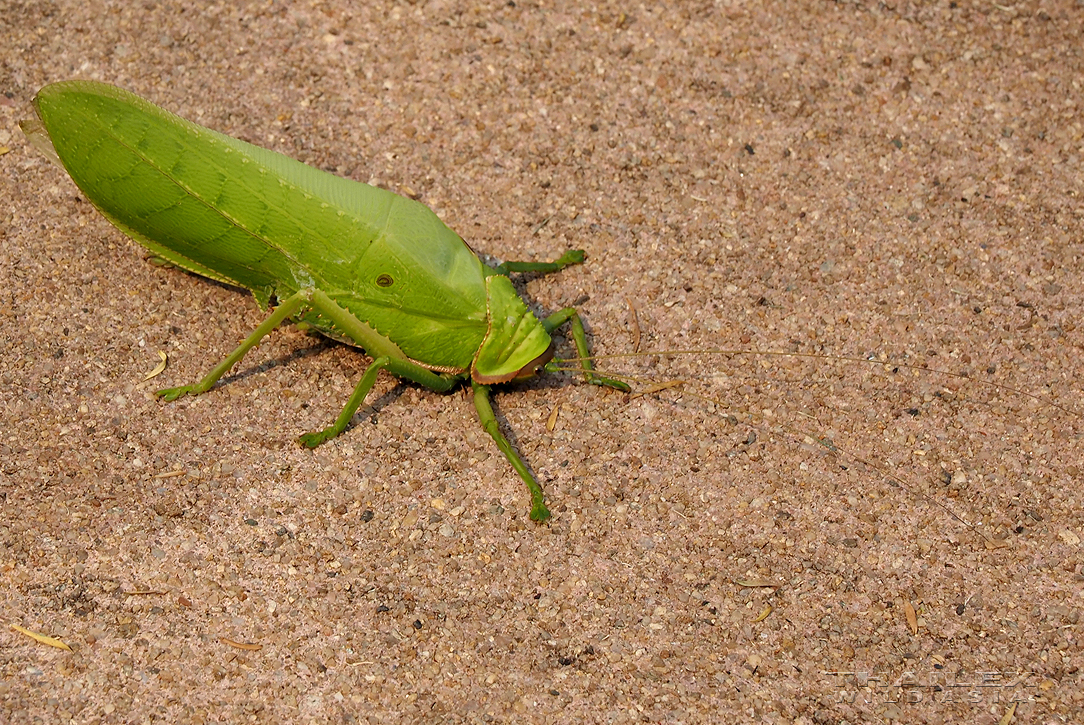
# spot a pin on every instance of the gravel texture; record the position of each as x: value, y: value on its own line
x: 902, y: 182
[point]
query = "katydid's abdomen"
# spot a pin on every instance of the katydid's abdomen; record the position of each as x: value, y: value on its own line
x: 358, y: 263
x: 254, y: 218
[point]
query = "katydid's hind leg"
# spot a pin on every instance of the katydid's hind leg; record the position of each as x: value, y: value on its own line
x: 284, y: 311
x: 572, y: 256
x: 539, y: 512
x: 579, y: 338
x: 402, y: 368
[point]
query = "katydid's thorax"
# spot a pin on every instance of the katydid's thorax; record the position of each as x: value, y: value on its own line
x: 413, y: 280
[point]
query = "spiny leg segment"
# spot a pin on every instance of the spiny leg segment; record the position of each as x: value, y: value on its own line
x: 318, y: 301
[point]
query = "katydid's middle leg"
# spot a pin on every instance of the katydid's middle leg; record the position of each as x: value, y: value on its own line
x: 573, y: 256
x: 402, y: 368
x: 579, y: 338
x: 386, y: 356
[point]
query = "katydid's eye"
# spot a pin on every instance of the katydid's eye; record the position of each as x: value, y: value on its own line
x: 384, y: 280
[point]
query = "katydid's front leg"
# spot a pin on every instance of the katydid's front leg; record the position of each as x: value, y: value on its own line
x: 551, y: 323
x: 579, y: 338
x: 381, y: 348
x: 539, y: 512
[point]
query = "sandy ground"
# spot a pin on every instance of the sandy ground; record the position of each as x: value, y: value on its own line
x: 902, y: 182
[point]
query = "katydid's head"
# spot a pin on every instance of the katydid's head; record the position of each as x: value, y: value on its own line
x: 526, y: 372
x: 516, y: 344
x: 534, y: 367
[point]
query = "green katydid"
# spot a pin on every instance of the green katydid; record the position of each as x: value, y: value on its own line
x: 357, y: 263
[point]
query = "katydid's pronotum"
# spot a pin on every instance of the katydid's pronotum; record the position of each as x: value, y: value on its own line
x: 357, y: 263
